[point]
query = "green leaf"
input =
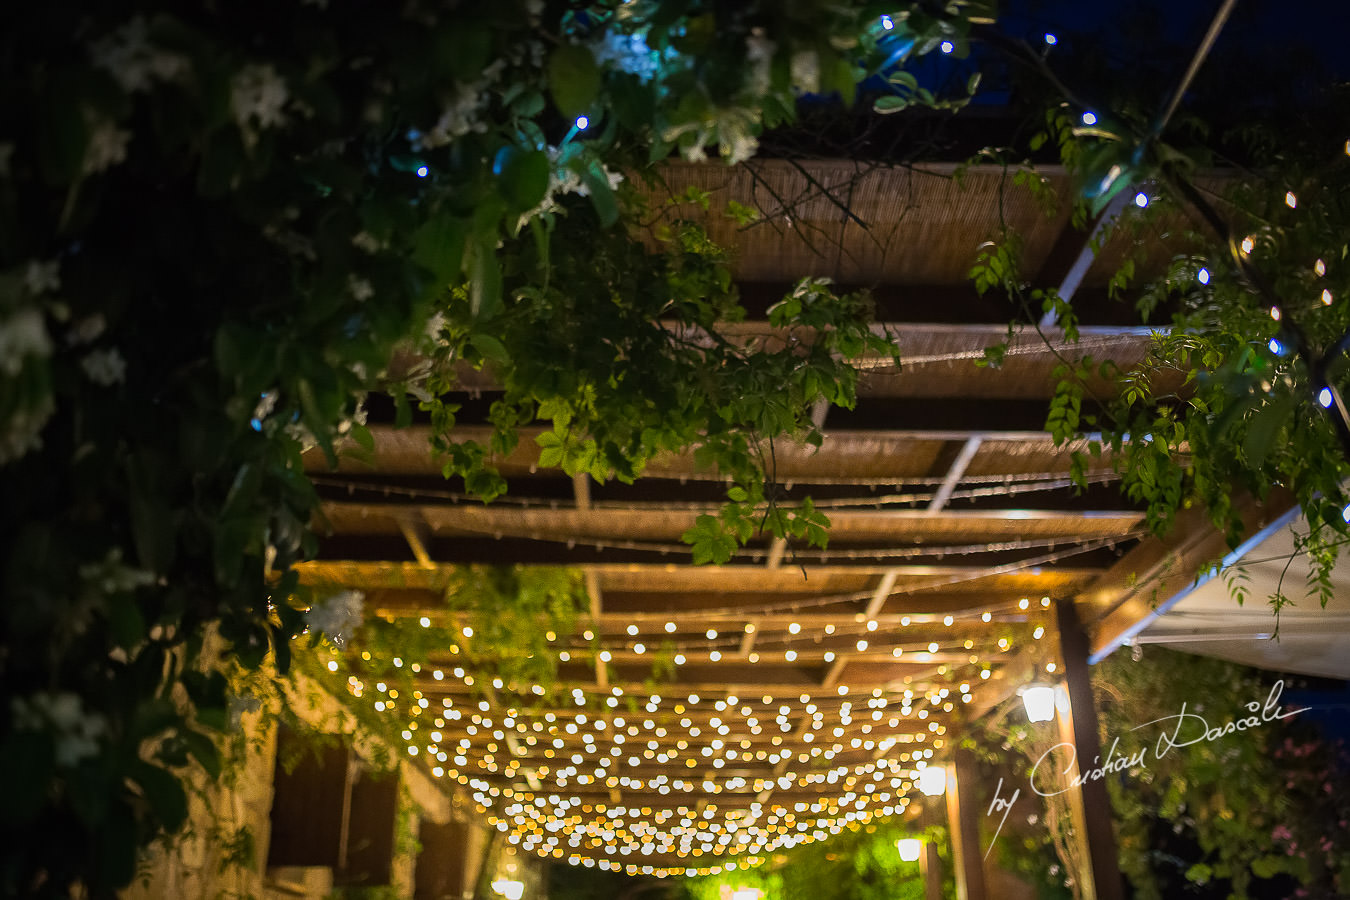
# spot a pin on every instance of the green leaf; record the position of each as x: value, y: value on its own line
x: 709, y: 540
x: 152, y: 522
x: 1199, y: 873
x: 490, y: 348
x: 204, y: 750
x: 573, y: 79
x: 438, y: 246
x: 485, y: 280
x: 552, y: 450
x: 163, y: 792
x: 125, y: 621
x: 364, y: 439
x: 1266, y: 425
x: 524, y: 176
x: 602, y: 195
x: 318, y: 422
x: 891, y: 103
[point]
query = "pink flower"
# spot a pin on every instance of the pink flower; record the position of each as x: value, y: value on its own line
x: 1281, y: 833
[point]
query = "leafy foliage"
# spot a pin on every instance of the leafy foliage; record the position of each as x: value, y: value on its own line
x: 1240, y: 809
x: 217, y: 226
x: 626, y: 352
x: 860, y: 863
x: 1246, y: 813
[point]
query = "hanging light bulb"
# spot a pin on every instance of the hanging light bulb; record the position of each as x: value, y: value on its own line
x: 1039, y: 700
x: 933, y: 781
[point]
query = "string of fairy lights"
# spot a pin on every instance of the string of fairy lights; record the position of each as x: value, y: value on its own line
x: 722, y: 780
x: 997, y: 486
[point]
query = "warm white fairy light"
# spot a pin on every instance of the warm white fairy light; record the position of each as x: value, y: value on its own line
x: 593, y: 753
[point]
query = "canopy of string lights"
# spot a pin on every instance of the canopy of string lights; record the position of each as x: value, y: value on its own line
x: 796, y: 690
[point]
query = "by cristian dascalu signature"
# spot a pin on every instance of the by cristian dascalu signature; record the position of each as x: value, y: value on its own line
x: 1184, y: 729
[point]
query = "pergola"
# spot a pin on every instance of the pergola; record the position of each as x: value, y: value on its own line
x: 810, y: 687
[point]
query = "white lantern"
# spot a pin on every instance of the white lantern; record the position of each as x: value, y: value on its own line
x: 933, y: 781
x: 511, y: 890
x: 1039, y: 699
x: 747, y: 893
x: 909, y: 848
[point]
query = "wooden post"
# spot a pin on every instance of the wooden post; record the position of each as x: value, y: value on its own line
x: 1078, y: 727
x: 963, y: 820
x: 930, y: 867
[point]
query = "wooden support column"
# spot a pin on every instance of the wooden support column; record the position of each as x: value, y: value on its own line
x: 963, y: 818
x: 1078, y: 727
x: 930, y: 867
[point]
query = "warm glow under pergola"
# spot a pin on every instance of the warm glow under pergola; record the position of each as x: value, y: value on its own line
x: 807, y: 686
x: 699, y: 779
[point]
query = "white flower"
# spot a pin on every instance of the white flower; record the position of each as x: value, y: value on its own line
x: 432, y: 335
x: 364, y: 240
x: 86, y: 330
x: 42, y: 277
x: 22, y: 335
x: 22, y: 432
x: 806, y: 71
x: 107, y: 146
x: 291, y: 241
x: 459, y: 117
x: 266, y: 403
x: 105, y: 367
x: 360, y: 288
x: 759, y: 54
x: 258, y: 95
x: 76, y: 731
x: 110, y: 576
x: 338, y: 615
x: 132, y: 60
x: 627, y: 53
x: 298, y: 431
x: 737, y: 143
